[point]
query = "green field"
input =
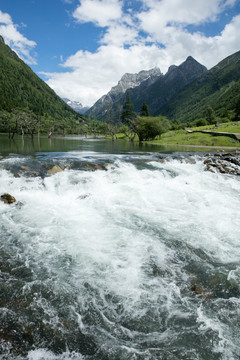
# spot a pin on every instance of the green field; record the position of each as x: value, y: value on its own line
x: 231, y: 127
x: 181, y: 137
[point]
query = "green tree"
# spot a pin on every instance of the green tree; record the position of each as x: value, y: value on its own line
x: 144, y: 110
x: 127, y: 110
x: 129, y: 132
x: 147, y: 128
x: 199, y: 122
x: 176, y: 125
x: 6, y: 122
x: 237, y: 109
x: 209, y: 114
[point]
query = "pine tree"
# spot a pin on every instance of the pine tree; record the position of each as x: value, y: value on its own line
x: 127, y: 111
x: 144, y: 110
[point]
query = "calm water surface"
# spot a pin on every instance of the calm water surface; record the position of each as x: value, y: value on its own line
x: 126, y: 253
x: 26, y: 146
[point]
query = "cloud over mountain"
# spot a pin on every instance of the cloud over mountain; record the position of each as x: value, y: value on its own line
x: 13, y: 37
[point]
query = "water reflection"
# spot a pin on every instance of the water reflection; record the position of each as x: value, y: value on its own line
x: 28, y: 146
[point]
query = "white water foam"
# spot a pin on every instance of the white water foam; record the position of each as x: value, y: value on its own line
x: 118, y: 233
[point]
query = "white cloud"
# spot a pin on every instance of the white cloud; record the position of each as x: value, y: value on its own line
x: 93, y: 75
x: 5, y: 18
x: 101, y: 12
x: 155, y: 36
x: 161, y: 13
x: 15, y: 39
x: 120, y: 34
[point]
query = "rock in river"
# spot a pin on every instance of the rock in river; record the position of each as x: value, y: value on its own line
x: 54, y: 170
x: 223, y: 163
x: 8, y: 199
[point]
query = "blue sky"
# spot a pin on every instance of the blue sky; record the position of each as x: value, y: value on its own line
x: 81, y: 48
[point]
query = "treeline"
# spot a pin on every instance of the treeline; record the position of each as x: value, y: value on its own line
x: 135, y: 126
x: 146, y: 127
x: 26, y: 122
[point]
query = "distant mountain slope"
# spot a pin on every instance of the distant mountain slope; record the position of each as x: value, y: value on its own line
x: 164, y: 88
x: 76, y: 105
x: 218, y: 87
x: 109, y: 102
x: 21, y: 88
x: 156, y: 90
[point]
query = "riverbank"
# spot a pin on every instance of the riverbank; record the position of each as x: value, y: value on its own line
x: 222, y: 136
x: 199, y: 139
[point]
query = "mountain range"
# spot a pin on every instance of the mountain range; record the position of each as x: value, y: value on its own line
x: 182, y: 93
x: 101, y: 109
x: 154, y: 88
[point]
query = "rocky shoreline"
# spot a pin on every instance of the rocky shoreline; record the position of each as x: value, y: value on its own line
x: 224, y: 163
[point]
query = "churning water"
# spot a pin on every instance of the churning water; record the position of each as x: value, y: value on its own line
x: 139, y: 259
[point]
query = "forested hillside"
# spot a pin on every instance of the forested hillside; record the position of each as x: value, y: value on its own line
x: 218, y: 88
x: 21, y: 90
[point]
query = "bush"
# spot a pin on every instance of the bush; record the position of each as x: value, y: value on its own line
x: 199, y: 122
x: 147, y: 128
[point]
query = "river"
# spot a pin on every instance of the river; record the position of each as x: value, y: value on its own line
x: 126, y: 253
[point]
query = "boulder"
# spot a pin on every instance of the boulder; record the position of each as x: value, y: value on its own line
x: 211, y: 169
x: 54, y: 170
x: 8, y: 199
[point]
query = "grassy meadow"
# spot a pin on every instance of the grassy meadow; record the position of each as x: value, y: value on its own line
x: 182, y: 137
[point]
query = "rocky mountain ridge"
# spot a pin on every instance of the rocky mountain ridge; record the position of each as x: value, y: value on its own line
x: 101, y: 108
x: 155, y: 90
x: 130, y: 81
x: 218, y: 87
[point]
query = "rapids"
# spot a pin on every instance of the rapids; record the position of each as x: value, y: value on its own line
x: 138, y: 259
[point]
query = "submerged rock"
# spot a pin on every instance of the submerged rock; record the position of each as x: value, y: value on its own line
x: 199, y: 290
x: 8, y: 199
x: 25, y: 168
x: 84, y: 196
x: 97, y: 167
x: 54, y: 170
x: 89, y: 167
x: 211, y: 169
